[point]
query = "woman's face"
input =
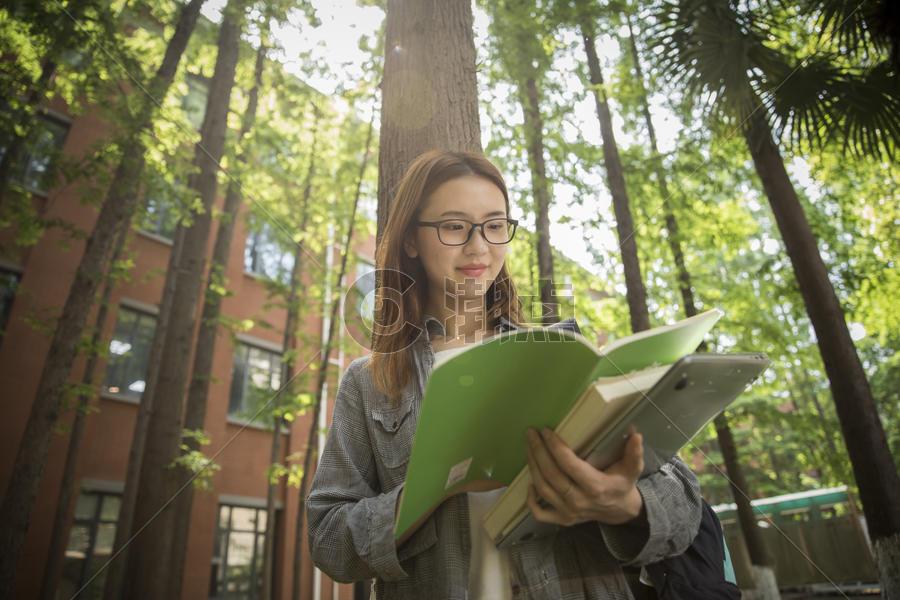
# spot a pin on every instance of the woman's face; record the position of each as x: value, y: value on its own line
x: 457, y: 273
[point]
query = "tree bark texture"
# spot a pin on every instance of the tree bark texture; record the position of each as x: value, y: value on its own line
x: 55, y: 554
x: 530, y: 98
x: 429, y: 91
x: 635, y: 293
x: 201, y: 372
x: 118, y: 206
x: 148, y: 572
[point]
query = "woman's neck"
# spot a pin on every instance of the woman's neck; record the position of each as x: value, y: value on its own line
x: 466, y: 323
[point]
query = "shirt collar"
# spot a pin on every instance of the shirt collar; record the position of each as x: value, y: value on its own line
x: 433, y: 326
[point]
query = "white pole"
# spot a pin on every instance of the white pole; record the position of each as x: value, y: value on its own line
x: 323, y: 410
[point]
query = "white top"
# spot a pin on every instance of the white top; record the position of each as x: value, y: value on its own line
x: 488, y: 567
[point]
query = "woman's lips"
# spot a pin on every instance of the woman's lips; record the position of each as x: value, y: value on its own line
x: 473, y: 271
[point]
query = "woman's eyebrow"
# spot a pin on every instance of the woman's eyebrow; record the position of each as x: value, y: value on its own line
x: 459, y: 213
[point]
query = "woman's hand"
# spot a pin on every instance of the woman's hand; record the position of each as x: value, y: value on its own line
x: 573, y: 491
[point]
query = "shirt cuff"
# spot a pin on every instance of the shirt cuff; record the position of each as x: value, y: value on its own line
x: 383, y: 550
x: 628, y: 541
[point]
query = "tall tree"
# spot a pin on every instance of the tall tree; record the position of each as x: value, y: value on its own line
x: 118, y: 206
x: 817, y: 97
x: 430, y: 95
x: 323, y: 369
x: 57, y: 549
x: 148, y: 576
x: 635, y: 293
x: 201, y: 372
x: 521, y: 50
x: 289, y: 360
x: 115, y: 576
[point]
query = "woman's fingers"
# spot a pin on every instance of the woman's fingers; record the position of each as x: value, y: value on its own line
x: 574, y: 491
x: 551, y: 483
x: 570, y: 464
x: 546, y: 502
x: 632, y: 462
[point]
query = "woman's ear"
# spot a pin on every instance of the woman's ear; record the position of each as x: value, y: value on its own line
x: 410, y: 247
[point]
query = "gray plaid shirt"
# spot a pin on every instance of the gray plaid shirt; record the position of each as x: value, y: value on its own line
x: 352, y: 502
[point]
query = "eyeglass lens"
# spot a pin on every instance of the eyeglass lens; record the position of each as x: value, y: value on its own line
x: 496, y: 231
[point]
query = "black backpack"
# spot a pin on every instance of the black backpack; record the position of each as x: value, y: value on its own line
x: 699, y: 572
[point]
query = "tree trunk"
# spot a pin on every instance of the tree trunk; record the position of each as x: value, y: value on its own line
x: 635, y: 293
x: 299, y: 539
x: 119, y: 205
x: 530, y: 98
x: 430, y: 96
x: 148, y: 575
x: 673, y: 236
x: 201, y: 372
x: 113, y: 589
x: 289, y: 344
x: 287, y: 373
x: 873, y: 466
x: 763, y: 573
x: 57, y: 549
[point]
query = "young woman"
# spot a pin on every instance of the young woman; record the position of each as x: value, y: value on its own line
x: 444, y: 283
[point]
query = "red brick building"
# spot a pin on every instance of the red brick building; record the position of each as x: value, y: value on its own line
x: 227, y: 523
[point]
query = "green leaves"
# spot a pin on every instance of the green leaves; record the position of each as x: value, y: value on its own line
x: 812, y: 92
x: 194, y: 461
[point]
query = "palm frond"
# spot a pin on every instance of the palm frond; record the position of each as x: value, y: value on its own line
x: 821, y: 103
x: 865, y: 111
x: 856, y: 27
x: 709, y: 48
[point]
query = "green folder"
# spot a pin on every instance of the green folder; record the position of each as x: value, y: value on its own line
x: 478, y: 404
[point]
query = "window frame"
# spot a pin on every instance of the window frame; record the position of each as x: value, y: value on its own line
x: 7, y: 300
x: 160, y: 196
x: 93, y: 525
x: 197, y: 88
x: 143, y: 311
x: 219, y: 563
x: 264, y: 236
x: 242, y: 415
x: 19, y: 174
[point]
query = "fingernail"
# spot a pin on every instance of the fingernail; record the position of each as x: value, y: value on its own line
x: 532, y: 435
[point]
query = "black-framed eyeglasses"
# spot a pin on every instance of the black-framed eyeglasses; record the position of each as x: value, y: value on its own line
x: 457, y: 232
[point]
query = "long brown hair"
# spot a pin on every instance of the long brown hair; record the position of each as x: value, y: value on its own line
x: 402, y: 290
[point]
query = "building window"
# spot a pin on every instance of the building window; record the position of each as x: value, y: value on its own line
x: 90, y: 544
x: 129, y: 353
x: 160, y: 216
x: 255, y: 379
x: 194, y: 101
x: 264, y: 256
x: 238, y: 553
x: 9, y: 283
x: 34, y: 168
